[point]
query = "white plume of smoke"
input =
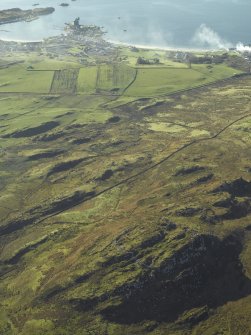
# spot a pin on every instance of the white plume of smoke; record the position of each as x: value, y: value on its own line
x: 207, y: 38
x: 243, y: 48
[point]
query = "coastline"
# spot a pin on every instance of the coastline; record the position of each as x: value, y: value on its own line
x: 77, y: 35
x: 19, y: 41
x: 160, y: 48
x: 43, y: 11
x: 120, y: 44
x: 30, y: 15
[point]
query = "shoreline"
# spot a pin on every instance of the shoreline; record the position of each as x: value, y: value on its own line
x: 155, y: 47
x: 19, y: 41
x: 121, y: 44
x: 115, y: 43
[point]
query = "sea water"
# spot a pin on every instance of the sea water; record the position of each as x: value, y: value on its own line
x: 163, y: 23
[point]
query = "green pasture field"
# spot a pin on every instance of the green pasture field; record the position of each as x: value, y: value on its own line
x: 105, y: 78
x: 130, y: 57
x: 153, y: 81
x: 87, y: 79
x: 18, y: 79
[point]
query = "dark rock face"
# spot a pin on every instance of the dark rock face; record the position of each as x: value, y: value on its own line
x: 204, y: 179
x: 106, y: 175
x: 205, y: 272
x: 64, y: 166
x: 46, y: 154
x: 167, y: 225
x: 136, y: 253
x: 49, y: 137
x: 208, y: 216
x: 82, y: 140
x: 237, y: 208
x: 194, y: 316
x: 186, y: 171
x: 15, y: 225
x: 188, y: 212
x: 22, y: 252
x: 38, y: 213
x: 237, y: 188
x: 43, y: 128
x: 114, y: 119
x: 65, y: 203
x: 225, y: 203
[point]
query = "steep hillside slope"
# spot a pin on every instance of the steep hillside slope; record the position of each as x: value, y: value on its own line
x: 124, y: 214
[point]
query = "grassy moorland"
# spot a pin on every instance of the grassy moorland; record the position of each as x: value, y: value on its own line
x: 125, y: 197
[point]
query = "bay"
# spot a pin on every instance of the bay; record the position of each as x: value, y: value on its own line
x: 162, y: 23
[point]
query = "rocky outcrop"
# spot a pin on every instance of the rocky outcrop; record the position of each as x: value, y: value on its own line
x: 33, y: 131
x: 45, y: 154
x: 236, y: 188
x: 189, y: 170
x: 205, y: 273
x: 23, y: 251
x: 17, y: 14
x: 64, y: 166
x: 237, y: 204
x: 188, y: 211
x: 39, y: 213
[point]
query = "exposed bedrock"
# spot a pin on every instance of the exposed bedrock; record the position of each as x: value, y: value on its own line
x: 204, y: 272
x: 39, y: 213
x: 236, y: 188
x: 29, y: 132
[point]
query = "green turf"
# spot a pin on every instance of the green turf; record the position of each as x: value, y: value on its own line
x: 87, y: 80
x: 131, y: 57
x: 18, y: 79
x: 153, y: 81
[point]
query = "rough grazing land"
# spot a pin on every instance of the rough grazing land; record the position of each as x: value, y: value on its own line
x: 125, y: 199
